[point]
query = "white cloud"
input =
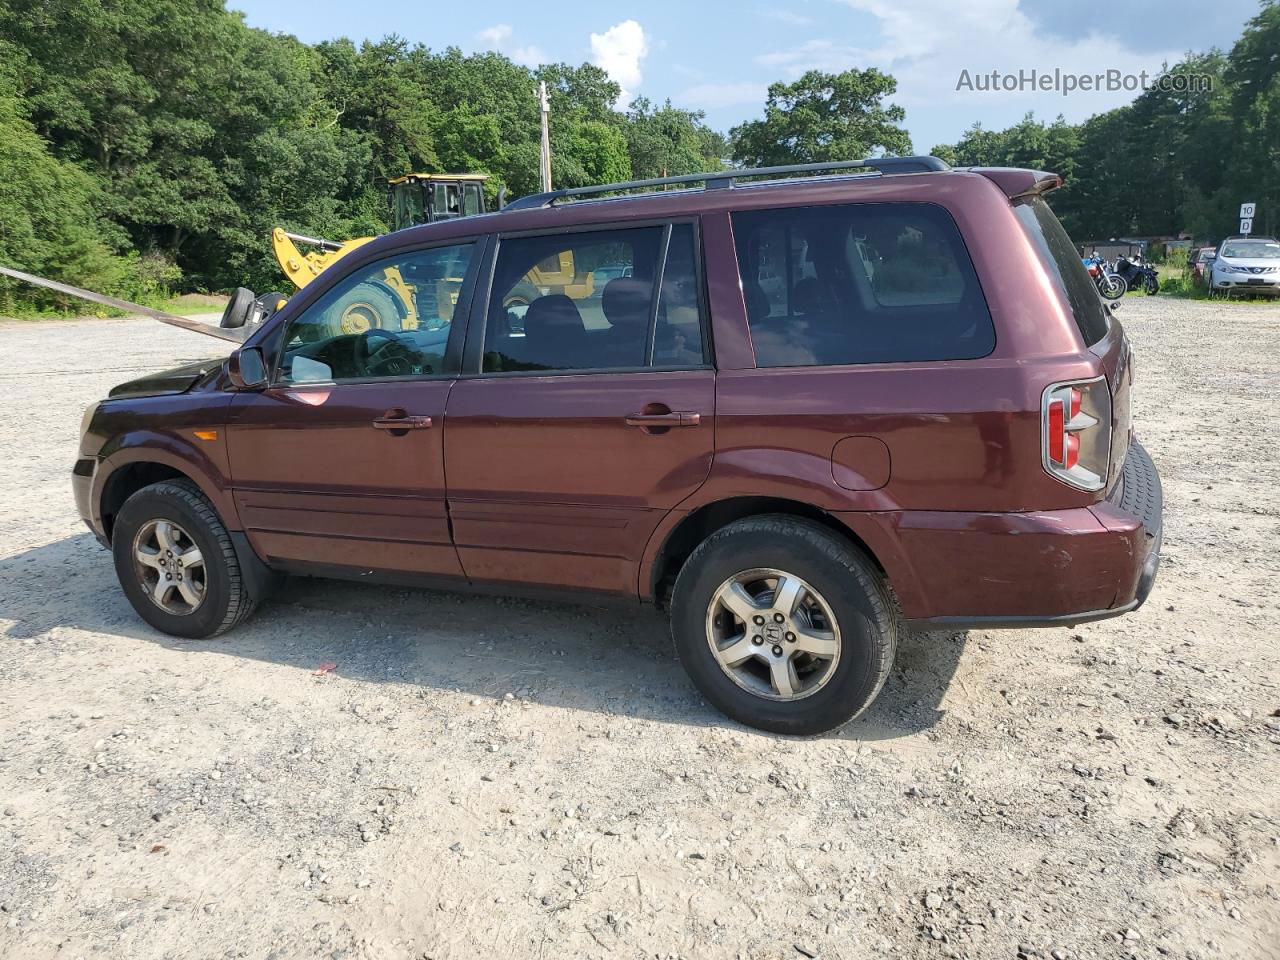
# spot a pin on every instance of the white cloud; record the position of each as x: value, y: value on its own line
x: 926, y: 44
x: 618, y: 51
x: 786, y: 16
x: 498, y: 37
x: 710, y: 96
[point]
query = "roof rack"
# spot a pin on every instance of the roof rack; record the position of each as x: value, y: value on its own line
x: 725, y: 179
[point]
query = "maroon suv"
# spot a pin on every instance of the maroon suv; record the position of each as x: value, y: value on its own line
x: 796, y: 413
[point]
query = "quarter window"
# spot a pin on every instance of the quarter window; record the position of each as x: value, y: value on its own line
x: 387, y: 319
x: 859, y: 283
x: 586, y: 301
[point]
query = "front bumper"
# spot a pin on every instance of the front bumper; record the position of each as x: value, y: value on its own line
x: 82, y: 475
x: 1244, y: 283
x: 957, y: 571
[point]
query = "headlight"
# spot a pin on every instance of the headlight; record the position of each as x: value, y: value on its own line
x: 1234, y: 269
x: 87, y: 419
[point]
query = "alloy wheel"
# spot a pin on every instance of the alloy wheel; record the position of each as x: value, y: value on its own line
x: 169, y: 567
x: 773, y: 634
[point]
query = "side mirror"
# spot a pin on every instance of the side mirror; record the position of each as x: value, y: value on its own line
x: 247, y: 369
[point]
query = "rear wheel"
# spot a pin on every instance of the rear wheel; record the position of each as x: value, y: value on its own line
x: 783, y: 625
x: 176, y: 562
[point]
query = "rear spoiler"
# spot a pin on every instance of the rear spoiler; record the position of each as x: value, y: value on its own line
x: 1019, y: 182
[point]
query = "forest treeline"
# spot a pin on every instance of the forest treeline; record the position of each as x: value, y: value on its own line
x: 151, y: 145
x: 1170, y: 162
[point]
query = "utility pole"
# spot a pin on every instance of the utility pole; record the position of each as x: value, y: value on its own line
x: 544, y: 157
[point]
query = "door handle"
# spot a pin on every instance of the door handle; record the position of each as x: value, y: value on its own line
x: 673, y: 418
x: 397, y: 424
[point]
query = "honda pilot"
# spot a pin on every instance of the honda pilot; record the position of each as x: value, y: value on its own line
x: 799, y: 409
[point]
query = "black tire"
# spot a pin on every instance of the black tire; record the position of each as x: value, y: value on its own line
x: 848, y: 582
x: 1151, y: 285
x: 368, y: 306
x: 522, y: 294
x: 226, y: 601
x: 236, y: 313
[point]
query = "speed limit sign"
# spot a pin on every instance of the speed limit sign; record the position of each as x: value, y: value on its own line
x: 1247, y: 210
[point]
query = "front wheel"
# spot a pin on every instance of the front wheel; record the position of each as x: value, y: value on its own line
x: 176, y: 562
x: 783, y: 625
x: 1113, y: 286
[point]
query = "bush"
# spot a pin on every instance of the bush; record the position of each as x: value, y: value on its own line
x: 150, y: 277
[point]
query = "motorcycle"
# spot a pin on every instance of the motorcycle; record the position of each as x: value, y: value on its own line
x: 1111, y: 285
x: 1138, y: 276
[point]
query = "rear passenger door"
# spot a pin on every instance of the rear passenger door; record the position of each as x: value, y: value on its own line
x: 584, y: 411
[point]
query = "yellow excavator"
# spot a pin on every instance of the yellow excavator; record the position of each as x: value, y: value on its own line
x: 416, y: 198
x: 392, y: 303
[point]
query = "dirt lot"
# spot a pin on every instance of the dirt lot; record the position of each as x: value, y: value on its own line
x: 482, y: 776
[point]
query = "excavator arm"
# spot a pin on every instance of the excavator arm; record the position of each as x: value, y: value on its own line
x: 301, y: 268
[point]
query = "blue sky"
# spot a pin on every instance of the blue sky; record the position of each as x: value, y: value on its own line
x: 720, y: 56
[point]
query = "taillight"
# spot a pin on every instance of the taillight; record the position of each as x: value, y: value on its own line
x: 1076, y: 419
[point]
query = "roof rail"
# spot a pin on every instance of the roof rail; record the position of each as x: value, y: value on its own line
x: 726, y: 178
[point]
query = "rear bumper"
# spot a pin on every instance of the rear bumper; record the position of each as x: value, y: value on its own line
x: 955, y: 571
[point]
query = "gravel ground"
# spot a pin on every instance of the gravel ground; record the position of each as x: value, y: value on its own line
x: 481, y: 775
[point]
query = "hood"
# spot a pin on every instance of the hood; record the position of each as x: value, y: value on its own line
x: 178, y: 380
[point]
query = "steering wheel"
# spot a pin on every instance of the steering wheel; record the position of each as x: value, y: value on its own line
x: 365, y: 356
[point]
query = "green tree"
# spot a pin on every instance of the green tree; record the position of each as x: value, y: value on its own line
x: 824, y: 116
x: 1253, y: 78
x: 667, y: 141
x: 49, y: 224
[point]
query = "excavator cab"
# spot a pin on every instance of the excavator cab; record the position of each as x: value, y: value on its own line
x: 418, y: 198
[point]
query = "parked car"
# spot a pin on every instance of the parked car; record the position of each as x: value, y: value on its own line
x: 1200, y: 263
x: 921, y: 420
x: 1249, y: 265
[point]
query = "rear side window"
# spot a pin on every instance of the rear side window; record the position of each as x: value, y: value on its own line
x: 1063, y: 263
x: 598, y: 300
x: 859, y: 283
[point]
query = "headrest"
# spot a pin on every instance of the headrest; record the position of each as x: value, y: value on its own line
x: 626, y: 301
x: 554, y: 313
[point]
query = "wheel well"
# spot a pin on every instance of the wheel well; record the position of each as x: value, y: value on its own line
x: 706, y: 520
x: 128, y: 480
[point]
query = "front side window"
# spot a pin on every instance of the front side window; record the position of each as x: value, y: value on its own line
x: 586, y: 301
x: 472, y: 203
x: 387, y: 319
x: 859, y: 283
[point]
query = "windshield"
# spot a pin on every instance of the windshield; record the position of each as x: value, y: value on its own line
x: 1252, y: 250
